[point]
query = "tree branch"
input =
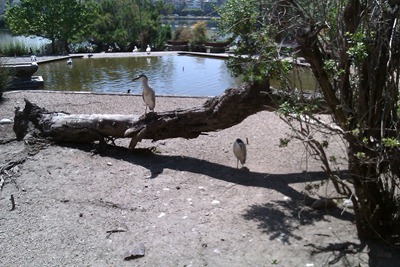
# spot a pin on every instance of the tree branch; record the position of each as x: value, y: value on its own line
x: 215, y: 114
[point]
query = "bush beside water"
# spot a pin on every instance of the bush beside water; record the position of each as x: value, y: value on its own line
x: 11, y: 48
x: 14, y: 49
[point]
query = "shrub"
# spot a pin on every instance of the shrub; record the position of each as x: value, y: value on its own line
x: 182, y: 34
x: 14, y: 48
x: 199, y: 35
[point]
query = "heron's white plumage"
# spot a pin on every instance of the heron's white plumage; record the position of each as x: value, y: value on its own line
x: 148, y: 94
x: 148, y: 49
x: 239, y: 149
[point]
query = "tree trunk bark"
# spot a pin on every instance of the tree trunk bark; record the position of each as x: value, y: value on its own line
x: 376, y: 202
x: 66, y: 46
x: 53, y: 46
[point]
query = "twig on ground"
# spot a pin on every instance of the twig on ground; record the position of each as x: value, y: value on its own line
x: 109, y: 232
x: 1, y: 182
x: 12, y: 202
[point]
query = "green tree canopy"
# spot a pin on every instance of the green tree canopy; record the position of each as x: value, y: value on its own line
x: 116, y: 23
x: 125, y: 23
x: 152, y: 31
x: 52, y: 19
x: 254, y: 34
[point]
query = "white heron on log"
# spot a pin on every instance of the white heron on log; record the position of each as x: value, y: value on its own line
x: 148, y: 49
x: 239, y: 149
x: 148, y: 94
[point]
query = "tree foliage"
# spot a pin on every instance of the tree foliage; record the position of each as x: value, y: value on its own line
x: 126, y: 23
x: 353, y: 48
x: 56, y: 20
x: 115, y: 23
x: 182, y: 34
x: 199, y: 32
x: 152, y: 31
x: 254, y: 37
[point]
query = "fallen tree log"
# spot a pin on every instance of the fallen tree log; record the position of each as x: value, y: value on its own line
x: 217, y: 113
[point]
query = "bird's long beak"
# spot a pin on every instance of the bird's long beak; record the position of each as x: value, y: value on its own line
x: 137, y: 78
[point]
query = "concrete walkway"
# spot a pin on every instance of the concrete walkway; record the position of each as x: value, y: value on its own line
x: 47, y: 59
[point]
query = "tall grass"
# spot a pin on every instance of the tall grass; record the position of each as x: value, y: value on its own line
x: 12, y: 49
x: 16, y: 48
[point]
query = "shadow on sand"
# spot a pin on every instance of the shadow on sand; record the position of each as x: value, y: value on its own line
x: 278, y: 219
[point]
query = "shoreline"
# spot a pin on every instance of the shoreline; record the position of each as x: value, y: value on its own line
x: 48, y: 59
x: 98, y: 93
x: 90, y: 102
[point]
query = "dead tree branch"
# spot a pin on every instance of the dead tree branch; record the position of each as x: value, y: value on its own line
x: 215, y: 114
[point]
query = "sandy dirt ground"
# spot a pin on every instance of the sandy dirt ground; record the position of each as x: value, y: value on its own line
x: 173, y: 202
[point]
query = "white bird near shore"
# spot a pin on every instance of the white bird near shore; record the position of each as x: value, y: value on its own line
x: 148, y: 94
x: 239, y: 149
x: 148, y: 49
x: 135, y: 49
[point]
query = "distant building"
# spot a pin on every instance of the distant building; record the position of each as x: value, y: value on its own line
x: 194, y: 4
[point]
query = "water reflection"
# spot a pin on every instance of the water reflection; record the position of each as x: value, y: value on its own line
x: 168, y: 75
x: 299, y: 78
